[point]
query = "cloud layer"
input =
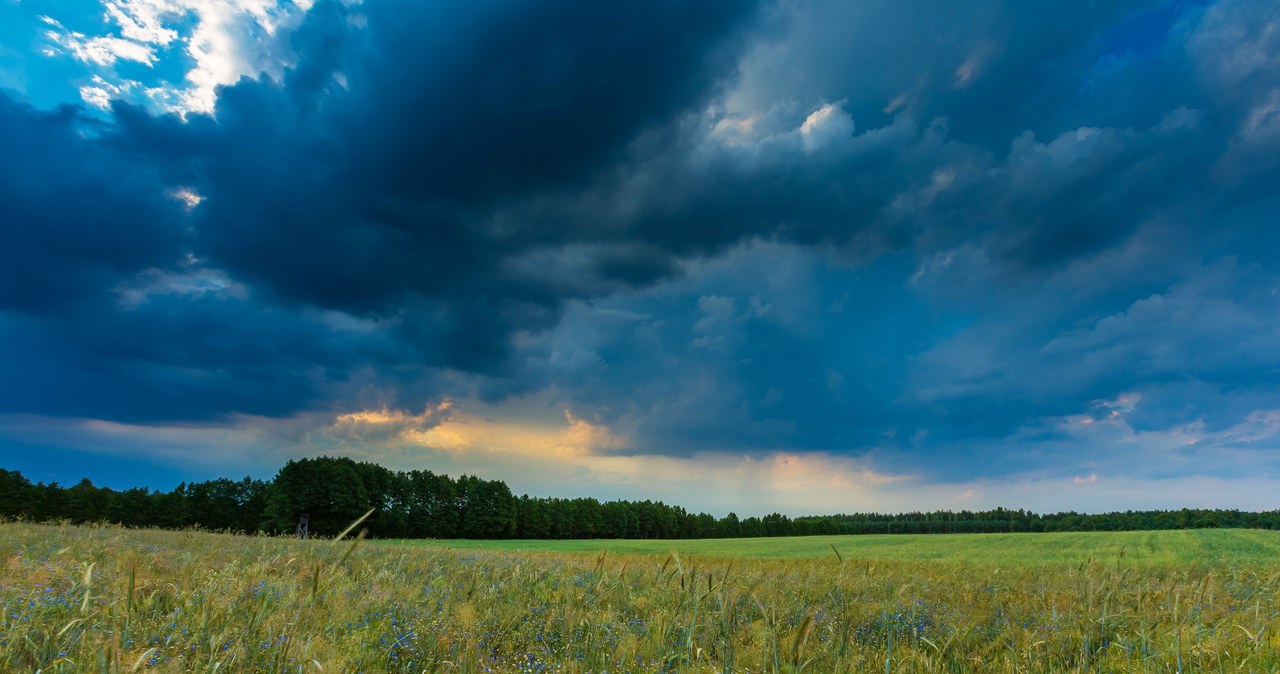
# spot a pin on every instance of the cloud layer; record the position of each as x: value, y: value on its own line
x: 1009, y: 246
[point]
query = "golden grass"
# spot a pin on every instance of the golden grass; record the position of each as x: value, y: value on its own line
x: 113, y: 600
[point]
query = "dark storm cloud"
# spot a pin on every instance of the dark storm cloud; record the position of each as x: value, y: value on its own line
x: 912, y: 227
x: 947, y: 163
x: 170, y: 349
x: 76, y: 213
x: 989, y: 67
x: 1038, y: 230
x: 367, y: 182
x: 372, y: 178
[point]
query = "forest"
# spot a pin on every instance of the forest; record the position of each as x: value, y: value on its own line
x: 332, y: 492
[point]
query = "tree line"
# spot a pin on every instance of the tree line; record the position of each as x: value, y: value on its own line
x: 332, y: 492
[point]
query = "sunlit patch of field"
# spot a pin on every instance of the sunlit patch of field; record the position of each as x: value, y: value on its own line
x: 112, y: 600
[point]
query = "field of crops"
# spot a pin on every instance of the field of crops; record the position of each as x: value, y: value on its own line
x: 1190, y: 547
x: 113, y: 600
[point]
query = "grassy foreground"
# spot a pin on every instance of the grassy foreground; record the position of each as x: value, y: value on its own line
x: 112, y: 600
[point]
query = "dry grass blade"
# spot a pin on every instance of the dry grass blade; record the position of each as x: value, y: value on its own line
x: 354, y: 524
x: 352, y: 547
x: 142, y: 658
x: 802, y: 636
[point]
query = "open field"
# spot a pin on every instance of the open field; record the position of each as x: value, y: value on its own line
x: 113, y: 600
x: 1199, y: 547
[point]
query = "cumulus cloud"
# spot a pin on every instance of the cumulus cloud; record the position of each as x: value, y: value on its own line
x: 825, y: 126
x: 102, y: 51
x: 446, y: 427
x: 224, y: 40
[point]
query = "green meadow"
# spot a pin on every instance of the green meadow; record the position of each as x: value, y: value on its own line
x: 106, y: 599
x: 1189, y: 547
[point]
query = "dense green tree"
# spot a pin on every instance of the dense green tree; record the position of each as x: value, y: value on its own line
x: 431, y: 505
x: 328, y: 490
x: 130, y: 507
x: 49, y: 502
x: 486, y: 508
x: 381, y: 487
x: 729, y: 526
x: 214, y: 504
x: 421, y: 504
x: 533, y: 518
x: 16, y: 494
x: 169, y: 509
x: 85, y: 502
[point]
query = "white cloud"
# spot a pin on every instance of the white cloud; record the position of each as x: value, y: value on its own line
x: 232, y: 40
x: 225, y: 39
x: 1105, y: 439
x: 826, y: 126
x: 99, y: 92
x: 143, y: 20
x: 189, y: 197
x: 102, y: 51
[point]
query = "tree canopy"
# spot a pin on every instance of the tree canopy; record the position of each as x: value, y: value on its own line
x: 333, y: 492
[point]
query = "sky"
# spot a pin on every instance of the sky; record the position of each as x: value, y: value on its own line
x: 794, y: 256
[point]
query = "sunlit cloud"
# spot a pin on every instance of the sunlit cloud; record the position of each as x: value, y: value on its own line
x: 99, y: 50
x: 826, y: 126
x: 99, y: 92
x: 225, y: 40
x: 549, y: 459
x: 447, y: 427
x: 189, y: 197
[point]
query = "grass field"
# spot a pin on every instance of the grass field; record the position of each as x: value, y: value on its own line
x: 1194, y: 547
x: 88, y: 599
